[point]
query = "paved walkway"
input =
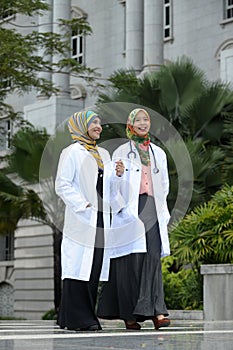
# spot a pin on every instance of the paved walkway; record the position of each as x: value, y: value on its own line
x: 181, y: 335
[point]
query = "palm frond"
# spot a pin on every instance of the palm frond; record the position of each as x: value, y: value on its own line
x: 28, y: 145
x: 181, y: 83
x: 204, y: 114
x: 206, y: 234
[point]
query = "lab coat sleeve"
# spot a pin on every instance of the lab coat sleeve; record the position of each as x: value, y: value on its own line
x: 64, y: 186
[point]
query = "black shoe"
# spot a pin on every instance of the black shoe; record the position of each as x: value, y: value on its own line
x: 92, y: 328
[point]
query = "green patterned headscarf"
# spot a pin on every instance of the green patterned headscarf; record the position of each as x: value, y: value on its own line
x: 141, y: 143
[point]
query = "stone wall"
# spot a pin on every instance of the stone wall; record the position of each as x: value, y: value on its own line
x: 218, y: 292
x: 33, y: 270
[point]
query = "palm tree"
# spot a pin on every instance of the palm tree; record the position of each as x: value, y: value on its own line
x: 169, y: 91
x: 28, y: 145
x: 17, y: 203
x: 206, y: 172
x: 194, y: 106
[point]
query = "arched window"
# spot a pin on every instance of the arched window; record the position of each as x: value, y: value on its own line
x: 6, y: 300
x: 224, y: 55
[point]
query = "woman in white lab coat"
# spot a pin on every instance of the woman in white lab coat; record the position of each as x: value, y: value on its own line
x: 81, y: 182
x: 140, y: 217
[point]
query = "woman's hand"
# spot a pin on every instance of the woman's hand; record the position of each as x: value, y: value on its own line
x: 119, y: 168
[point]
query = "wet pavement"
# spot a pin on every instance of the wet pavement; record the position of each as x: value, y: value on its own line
x: 188, y: 335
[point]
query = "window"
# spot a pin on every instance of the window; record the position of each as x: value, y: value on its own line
x: 6, y: 300
x: 228, y: 9
x: 226, y: 65
x: 8, y: 134
x: 77, y: 42
x: 7, y: 247
x: 6, y: 14
x: 167, y: 19
x: 77, y: 39
x: 5, y: 134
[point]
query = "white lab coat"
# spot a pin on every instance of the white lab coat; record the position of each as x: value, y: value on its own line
x: 128, y: 232
x: 76, y: 184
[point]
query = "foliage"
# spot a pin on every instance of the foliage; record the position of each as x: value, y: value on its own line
x: 177, y: 90
x: 168, y: 91
x: 206, y: 170
x: 183, y: 288
x: 24, y: 6
x: 28, y: 145
x: 227, y: 146
x: 205, y: 236
x: 180, y: 92
x: 23, y: 56
x: 201, y: 111
x: 50, y: 315
x: 17, y: 203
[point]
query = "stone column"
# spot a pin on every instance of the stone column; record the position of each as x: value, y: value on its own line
x: 45, y: 23
x: 61, y: 10
x: 134, y: 34
x: 153, y: 35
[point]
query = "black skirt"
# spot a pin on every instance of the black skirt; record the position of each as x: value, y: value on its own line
x: 135, y: 288
x: 78, y: 302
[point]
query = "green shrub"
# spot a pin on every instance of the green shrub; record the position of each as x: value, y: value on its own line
x: 205, y: 236
x: 183, y: 288
x: 50, y: 315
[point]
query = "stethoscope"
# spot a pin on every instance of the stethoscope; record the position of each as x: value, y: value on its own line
x: 131, y: 152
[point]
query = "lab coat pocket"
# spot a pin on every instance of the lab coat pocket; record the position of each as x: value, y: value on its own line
x: 123, y: 217
x: 86, y: 214
x: 75, y: 220
x: 80, y: 226
x: 83, y: 217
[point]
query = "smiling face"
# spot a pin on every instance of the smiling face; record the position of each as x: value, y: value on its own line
x: 95, y: 129
x: 141, y: 124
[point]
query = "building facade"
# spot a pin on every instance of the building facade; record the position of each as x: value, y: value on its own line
x: 131, y: 34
